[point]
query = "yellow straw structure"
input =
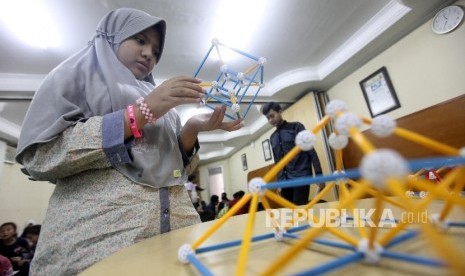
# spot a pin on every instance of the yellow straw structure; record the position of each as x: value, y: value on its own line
x: 457, y: 189
x: 374, y: 193
x: 342, y: 235
x: 244, y: 252
x: 383, y: 241
x: 222, y: 220
x: 361, y: 229
x: 281, y: 201
x: 339, y: 160
x: 448, y: 252
x: 366, y: 120
x: 320, y: 195
x: 376, y: 217
x: 357, y: 221
x: 281, y: 164
x: 439, y: 193
x: 425, y: 141
x: 321, y: 124
x: 343, y: 191
x: 267, y: 206
x: 309, y: 236
x: 360, y: 140
x: 294, y: 250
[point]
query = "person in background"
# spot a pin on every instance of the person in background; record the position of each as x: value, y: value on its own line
x: 15, y: 248
x: 113, y: 144
x: 32, y: 234
x: 236, y: 197
x: 212, y: 207
x: 282, y: 140
x: 191, y: 188
x: 29, y: 223
x: 224, y: 202
x: 6, y: 269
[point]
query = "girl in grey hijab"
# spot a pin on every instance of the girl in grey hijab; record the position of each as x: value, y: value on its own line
x: 113, y: 188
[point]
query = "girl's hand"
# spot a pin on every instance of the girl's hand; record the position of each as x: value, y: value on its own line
x: 213, y: 121
x: 173, y: 92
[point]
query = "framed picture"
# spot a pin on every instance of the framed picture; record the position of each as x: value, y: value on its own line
x: 244, y: 162
x: 266, y: 149
x: 379, y: 93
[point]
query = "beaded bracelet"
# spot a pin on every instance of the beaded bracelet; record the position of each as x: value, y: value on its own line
x: 144, y: 108
x: 136, y: 132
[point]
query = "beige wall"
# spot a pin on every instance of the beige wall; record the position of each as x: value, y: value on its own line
x: 425, y: 69
x: 20, y: 198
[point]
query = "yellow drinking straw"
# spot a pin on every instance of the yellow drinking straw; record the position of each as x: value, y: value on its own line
x: 244, y: 252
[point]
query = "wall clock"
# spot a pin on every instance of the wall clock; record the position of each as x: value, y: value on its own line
x: 447, y: 19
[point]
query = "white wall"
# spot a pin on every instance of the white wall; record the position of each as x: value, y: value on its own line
x: 22, y: 199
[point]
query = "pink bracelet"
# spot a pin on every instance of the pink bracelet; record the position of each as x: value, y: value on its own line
x: 144, y: 108
x: 133, y: 122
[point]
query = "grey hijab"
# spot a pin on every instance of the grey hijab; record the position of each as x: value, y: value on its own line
x: 93, y: 82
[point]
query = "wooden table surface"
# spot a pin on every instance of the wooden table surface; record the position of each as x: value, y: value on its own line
x: 159, y: 255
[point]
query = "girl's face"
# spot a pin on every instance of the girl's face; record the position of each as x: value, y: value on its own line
x: 139, y: 53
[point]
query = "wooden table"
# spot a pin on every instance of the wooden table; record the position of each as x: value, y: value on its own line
x: 159, y: 255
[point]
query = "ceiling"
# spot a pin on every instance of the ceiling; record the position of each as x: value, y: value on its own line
x: 308, y: 45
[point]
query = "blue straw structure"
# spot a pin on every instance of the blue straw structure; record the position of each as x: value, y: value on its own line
x: 412, y: 259
x: 200, y: 267
x: 324, y: 268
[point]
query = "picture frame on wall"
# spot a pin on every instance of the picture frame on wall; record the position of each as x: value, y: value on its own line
x: 266, y: 149
x: 244, y: 162
x: 379, y: 93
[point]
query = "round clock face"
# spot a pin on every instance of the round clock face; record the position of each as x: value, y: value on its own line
x: 447, y: 19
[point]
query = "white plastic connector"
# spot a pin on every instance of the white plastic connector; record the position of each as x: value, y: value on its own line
x: 338, y: 142
x: 183, y: 251
x: 261, y: 60
x: 346, y: 121
x: 279, y: 233
x: 383, y: 126
x: 305, y: 140
x: 335, y: 106
x: 215, y: 41
x: 443, y: 225
x: 410, y: 194
x: 382, y: 164
x: 340, y: 179
x: 235, y: 107
x: 255, y: 185
x: 224, y: 68
x: 372, y: 255
x: 423, y: 194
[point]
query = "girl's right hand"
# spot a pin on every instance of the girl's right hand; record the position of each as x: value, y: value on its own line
x: 173, y: 92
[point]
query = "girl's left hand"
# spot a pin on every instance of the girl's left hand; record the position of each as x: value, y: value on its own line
x: 213, y: 121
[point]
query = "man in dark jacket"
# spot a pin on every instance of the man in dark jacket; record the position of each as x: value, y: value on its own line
x: 282, y: 141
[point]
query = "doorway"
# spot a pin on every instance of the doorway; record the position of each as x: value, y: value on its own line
x: 215, y: 181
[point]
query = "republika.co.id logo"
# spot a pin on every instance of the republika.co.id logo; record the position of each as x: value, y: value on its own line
x: 333, y: 217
